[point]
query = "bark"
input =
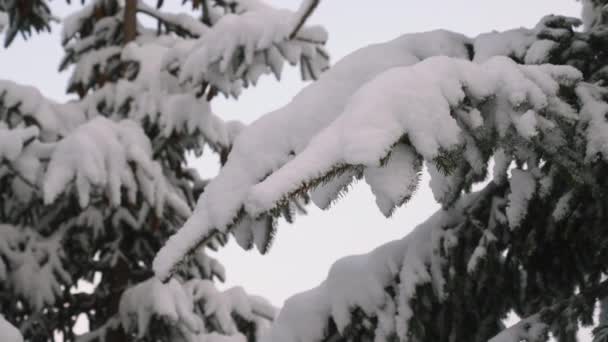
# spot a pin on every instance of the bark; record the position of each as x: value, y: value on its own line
x: 130, y: 21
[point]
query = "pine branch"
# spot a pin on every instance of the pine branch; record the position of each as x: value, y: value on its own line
x: 305, y: 11
x: 546, y: 316
x: 195, y: 29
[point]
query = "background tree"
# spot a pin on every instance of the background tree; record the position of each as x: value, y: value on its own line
x: 529, y: 240
x: 92, y: 188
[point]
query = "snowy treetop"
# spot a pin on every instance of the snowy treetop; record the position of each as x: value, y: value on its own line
x: 232, y: 53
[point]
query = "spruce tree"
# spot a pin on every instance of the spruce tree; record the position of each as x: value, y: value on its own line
x: 91, y: 188
x: 511, y: 127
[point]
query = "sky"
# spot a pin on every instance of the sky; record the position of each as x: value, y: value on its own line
x: 304, y: 251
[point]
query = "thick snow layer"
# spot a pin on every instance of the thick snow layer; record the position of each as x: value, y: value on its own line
x: 509, y: 43
x: 416, y: 101
x: 184, y: 21
x: 152, y: 298
x: 155, y: 96
x: 270, y: 141
x: 540, y: 51
x: 53, y: 118
x: 396, y: 181
x: 523, y: 187
x: 328, y: 192
x: 8, y: 332
x: 12, y: 140
x: 91, y: 63
x: 522, y: 44
x: 73, y: 23
x: 97, y: 155
x: 375, y: 102
x: 175, y: 302
x: 411, y: 259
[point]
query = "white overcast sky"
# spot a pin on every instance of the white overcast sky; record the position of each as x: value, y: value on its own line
x: 304, y: 251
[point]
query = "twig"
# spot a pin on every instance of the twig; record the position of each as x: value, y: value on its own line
x: 306, y: 9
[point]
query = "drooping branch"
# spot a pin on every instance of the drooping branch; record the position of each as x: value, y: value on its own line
x: 534, y: 327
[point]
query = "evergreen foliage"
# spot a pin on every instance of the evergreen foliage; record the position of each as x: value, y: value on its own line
x: 512, y: 127
x: 529, y: 242
x: 90, y: 189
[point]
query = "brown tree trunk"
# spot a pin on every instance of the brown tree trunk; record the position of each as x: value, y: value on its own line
x: 119, y: 276
x: 130, y: 21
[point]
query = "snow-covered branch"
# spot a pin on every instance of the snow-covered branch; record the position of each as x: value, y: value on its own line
x: 436, y: 108
x: 259, y: 42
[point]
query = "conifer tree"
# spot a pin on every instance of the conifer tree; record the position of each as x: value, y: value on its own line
x: 512, y: 128
x: 91, y: 188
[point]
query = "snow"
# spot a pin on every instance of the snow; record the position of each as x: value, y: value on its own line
x: 182, y: 20
x: 563, y: 206
x: 375, y: 102
x: 247, y: 45
x: 92, y: 64
x: 329, y: 191
x: 502, y: 161
x: 305, y: 315
x: 36, y: 270
x: 53, y: 118
x: 395, y: 182
x: 224, y: 304
x: 513, y: 43
x: 523, y: 186
x: 97, y: 155
x: 151, y: 298
x: 530, y: 329
x: 480, y: 251
x: 73, y: 22
x: 524, y: 44
x: 526, y: 124
x: 175, y: 302
x: 593, y: 113
x: 415, y: 101
x: 443, y: 186
x: 12, y: 141
x: 8, y: 332
x: 540, y: 51
x: 3, y: 21
x: 256, y: 153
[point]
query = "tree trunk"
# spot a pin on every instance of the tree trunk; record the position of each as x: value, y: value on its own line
x: 119, y: 276
x: 130, y: 21
x: 119, y: 280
